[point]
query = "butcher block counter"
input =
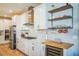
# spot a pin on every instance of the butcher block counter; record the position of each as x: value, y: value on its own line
x: 63, y: 45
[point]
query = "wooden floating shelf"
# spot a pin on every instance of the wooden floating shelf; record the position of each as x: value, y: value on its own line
x: 60, y: 8
x: 60, y: 18
x: 60, y: 27
x: 63, y: 45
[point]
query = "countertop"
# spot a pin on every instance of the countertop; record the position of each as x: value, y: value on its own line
x: 63, y: 45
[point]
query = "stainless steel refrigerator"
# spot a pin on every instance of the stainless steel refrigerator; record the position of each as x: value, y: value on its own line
x: 13, y: 37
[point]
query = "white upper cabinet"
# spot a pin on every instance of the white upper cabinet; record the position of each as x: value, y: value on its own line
x: 40, y: 17
x: 1, y: 24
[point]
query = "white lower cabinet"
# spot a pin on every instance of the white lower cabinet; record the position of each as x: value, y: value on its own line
x: 18, y: 45
x: 35, y: 48
x: 22, y: 45
x: 25, y: 46
x: 31, y: 47
x: 2, y: 39
x: 42, y: 50
x: 37, y: 51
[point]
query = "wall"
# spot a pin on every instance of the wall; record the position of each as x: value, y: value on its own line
x: 71, y: 36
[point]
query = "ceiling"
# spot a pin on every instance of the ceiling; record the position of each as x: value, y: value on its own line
x: 7, y: 8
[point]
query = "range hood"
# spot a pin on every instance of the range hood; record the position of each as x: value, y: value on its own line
x: 30, y: 16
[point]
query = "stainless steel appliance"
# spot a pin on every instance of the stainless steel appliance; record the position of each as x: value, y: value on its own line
x: 13, y: 37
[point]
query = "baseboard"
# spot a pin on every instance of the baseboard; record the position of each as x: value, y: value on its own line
x: 22, y: 52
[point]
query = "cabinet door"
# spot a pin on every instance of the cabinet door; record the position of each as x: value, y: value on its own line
x: 19, y: 44
x: 2, y: 27
x: 22, y: 44
x: 33, y: 48
x: 25, y: 46
x: 37, y: 51
x: 36, y: 17
x: 30, y: 48
x: 43, y: 50
x: 40, y: 17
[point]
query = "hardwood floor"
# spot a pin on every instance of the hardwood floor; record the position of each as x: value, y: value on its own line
x: 5, y: 50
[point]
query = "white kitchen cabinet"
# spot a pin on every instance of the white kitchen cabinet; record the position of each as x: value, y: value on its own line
x: 33, y: 47
x: 18, y: 44
x: 30, y: 48
x: 40, y: 22
x: 25, y: 46
x: 40, y: 17
x: 2, y: 39
x: 37, y: 50
x: 42, y: 50
x: 2, y: 27
x: 21, y: 42
x: 36, y: 47
x: 22, y: 45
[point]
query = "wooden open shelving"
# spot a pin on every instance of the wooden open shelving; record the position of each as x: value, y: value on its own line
x: 61, y: 18
x: 60, y: 8
x: 60, y: 27
x: 64, y: 17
